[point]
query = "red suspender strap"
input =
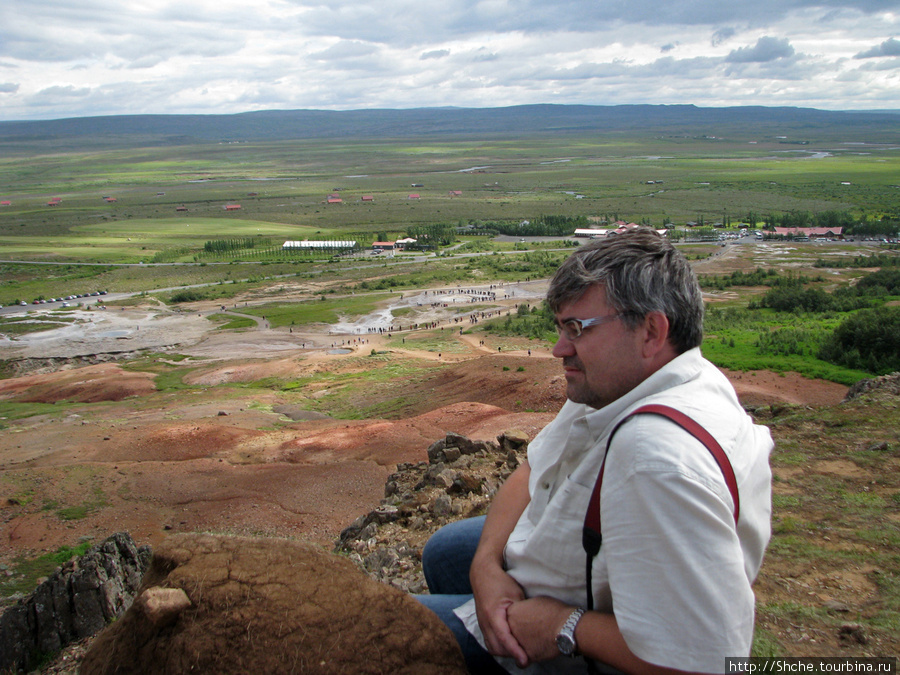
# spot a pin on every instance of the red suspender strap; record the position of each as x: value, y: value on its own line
x: 591, y: 535
x: 702, y: 435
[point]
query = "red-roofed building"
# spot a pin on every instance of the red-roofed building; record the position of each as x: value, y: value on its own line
x: 455, y: 193
x: 818, y: 232
x: 334, y: 199
x: 368, y: 198
x: 415, y: 195
x: 181, y: 208
x: 232, y: 207
x: 6, y: 202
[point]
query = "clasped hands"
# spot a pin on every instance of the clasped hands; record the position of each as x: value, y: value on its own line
x: 524, y: 629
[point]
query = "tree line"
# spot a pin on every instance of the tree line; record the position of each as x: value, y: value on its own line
x: 863, y: 226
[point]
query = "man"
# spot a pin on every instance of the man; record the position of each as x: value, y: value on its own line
x: 671, y: 584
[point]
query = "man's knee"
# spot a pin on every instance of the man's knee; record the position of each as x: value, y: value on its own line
x: 459, y: 537
x: 448, y: 555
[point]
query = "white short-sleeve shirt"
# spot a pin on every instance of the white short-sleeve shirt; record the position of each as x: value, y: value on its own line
x: 673, y: 567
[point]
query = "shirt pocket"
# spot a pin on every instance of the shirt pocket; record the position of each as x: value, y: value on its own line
x: 549, y: 553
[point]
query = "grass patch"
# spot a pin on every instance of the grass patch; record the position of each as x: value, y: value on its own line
x: 765, y: 644
x: 15, y: 410
x: 745, y: 340
x: 25, y: 573
x: 229, y: 322
x: 22, y: 326
x: 785, y: 501
x: 435, y: 343
x: 863, y: 500
x: 322, y: 310
x: 172, y: 380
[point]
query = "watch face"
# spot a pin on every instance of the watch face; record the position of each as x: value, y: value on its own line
x: 565, y: 644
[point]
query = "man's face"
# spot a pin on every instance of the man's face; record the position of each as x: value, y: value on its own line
x: 605, y: 361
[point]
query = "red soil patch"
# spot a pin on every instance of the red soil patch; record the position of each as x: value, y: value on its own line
x: 763, y: 387
x: 90, y: 384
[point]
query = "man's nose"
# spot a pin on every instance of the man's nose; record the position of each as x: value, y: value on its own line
x: 563, y: 347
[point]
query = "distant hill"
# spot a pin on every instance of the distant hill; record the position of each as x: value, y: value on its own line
x: 510, y: 121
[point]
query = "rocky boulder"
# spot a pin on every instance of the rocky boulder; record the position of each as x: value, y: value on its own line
x: 884, y: 386
x: 459, y: 480
x: 75, y: 602
x: 218, y: 604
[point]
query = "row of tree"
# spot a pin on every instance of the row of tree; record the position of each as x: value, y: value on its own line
x: 229, y: 245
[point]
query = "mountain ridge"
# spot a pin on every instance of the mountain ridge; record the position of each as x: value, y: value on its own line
x: 268, y: 125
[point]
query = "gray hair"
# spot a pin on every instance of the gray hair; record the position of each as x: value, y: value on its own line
x: 641, y: 272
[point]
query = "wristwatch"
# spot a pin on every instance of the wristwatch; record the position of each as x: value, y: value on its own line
x: 565, y: 639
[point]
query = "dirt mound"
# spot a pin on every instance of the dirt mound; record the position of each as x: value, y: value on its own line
x: 763, y: 387
x: 91, y: 384
x: 536, y: 383
x: 245, y: 372
x: 516, y: 383
x: 241, y: 605
x: 225, y: 459
x: 388, y: 442
x: 183, y: 441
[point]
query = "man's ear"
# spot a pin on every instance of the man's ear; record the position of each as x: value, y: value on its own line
x: 656, y: 334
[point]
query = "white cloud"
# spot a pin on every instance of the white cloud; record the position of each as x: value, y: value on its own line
x: 722, y: 35
x: 345, y: 49
x: 890, y: 47
x: 767, y: 48
x: 106, y: 57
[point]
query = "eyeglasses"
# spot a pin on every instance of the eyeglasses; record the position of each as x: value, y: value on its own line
x: 573, y: 328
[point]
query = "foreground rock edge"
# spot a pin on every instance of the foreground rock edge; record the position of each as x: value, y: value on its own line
x: 459, y: 479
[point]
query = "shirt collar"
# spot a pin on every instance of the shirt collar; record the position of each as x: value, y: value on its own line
x: 679, y: 370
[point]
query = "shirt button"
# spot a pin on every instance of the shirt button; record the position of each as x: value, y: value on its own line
x: 546, y: 486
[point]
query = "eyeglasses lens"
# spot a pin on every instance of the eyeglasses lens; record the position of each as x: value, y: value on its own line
x: 571, y: 329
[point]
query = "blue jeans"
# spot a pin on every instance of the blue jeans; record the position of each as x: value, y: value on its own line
x: 446, y: 559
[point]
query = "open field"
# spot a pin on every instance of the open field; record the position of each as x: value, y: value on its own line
x: 282, y: 188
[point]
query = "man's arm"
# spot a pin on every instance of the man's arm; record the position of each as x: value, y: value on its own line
x: 536, y: 622
x: 494, y: 589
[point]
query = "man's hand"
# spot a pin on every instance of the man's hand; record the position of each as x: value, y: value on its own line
x: 495, y: 591
x: 535, y: 623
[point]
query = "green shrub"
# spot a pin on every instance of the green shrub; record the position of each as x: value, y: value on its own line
x: 868, y: 340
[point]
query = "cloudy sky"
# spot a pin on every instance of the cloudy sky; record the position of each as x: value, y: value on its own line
x: 72, y: 58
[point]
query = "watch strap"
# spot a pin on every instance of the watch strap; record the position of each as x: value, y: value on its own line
x: 565, y: 639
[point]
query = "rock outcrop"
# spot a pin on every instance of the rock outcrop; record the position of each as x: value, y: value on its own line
x: 886, y: 386
x: 459, y: 480
x: 219, y: 604
x: 75, y: 602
